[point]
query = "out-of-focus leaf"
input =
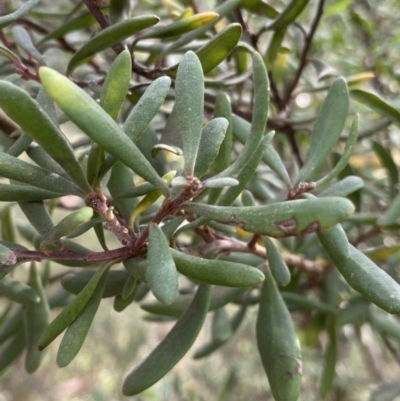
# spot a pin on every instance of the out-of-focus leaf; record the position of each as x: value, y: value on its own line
x: 386, y: 160
x: 327, y: 129
x: 91, y: 118
x: 27, y: 113
x: 172, y: 149
x: 376, y: 103
x: 181, y: 26
x: 386, y: 392
x: 18, y: 291
x: 110, y: 36
x: 220, y: 182
x: 260, y: 7
x: 274, y: 47
x: 386, y: 325
x: 392, y: 213
x: 12, y: 351
x: 330, y: 356
x: 14, y: 16
x: 10, y: 55
x: 289, y: 14
x: 23, y: 39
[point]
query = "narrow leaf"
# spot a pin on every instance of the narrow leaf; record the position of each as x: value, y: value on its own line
x: 14, y: 16
x: 18, y: 292
x: 101, y: 128
x: 110, y: 36
x: 289, y: 14
x: 277, y: 265
x: 172, y: 348
x: 344, y: 187
x: 27, y: 113
x: 161, y: 273
x: 189, y: 105
x: 327, y: 129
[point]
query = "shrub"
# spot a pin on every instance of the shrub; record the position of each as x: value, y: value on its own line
x: 205, y: 148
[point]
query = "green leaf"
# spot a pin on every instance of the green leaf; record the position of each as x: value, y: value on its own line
x: 67, y: 316
x: 327, y: 129
x: 18, y: 170
x: 216, y: 272
x: 289, y: 14
x: 247, y: 172
x: 7, y: 256
x: 215, y: 50
x: 344, y: 159
x: 67, y: 225
x: 387, y: 162
x: 110, y: 36
x: 37, y: 215
x: 12, y: 325
x: 300, y: 302
x: 330, y: 357
x: 277, y: 265
x: 116, y: 84
x: 84, y: 20
x: 189, y: 104
x: 14, y: 16
x: 12, y: 350
x: 391, y: 214
x: 360, y: 272
x: 274, y: 47
x: 212, y: 136
x: 41, y: 158
x: 27, y: 113
x: 260, y: 7
x: 17, y: 291
x: 376, y: 103
x: 23, y: 40
x: 386, y: 392
x: 75, y: 282
x: 220, y: 182
x: 343, y: 187
x: 25, y: 193
x: 102, y: 129
x: 386, y: 325
x: 76, y: 333
x: 221, y: 328
x: 172, y: 348
x: 241, y: 129
x: 259, y: 119
x: 180, y: 27
x: 36, y: 319
x: 279, y: 220
x: 161, y: 273
x: 7, y: 228
x: 278, y: 344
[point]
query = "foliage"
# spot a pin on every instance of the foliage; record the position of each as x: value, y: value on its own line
x: 202, y: 142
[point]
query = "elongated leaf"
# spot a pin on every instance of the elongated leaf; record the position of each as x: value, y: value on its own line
x: 26, y: 112
x: 82, y: 21
x: 376, y: 103
x: 12, y: 351
x: 76, y: 333
x: 110, y: 36
x: 189, y: 105
x: 92, y: 119
x: 36, y: 319
x: 41, y: 157
x: 12, y: 325
x: 300, y: 302
x: 181, y: 26
x: 18, y: 170
x: 37, y: 215
x: 327, y: 129
x: 216, y: 272
x: 116, y: 84
x: 344, y: 187
x: 330, y: 357
x: 212, y: 136
x: 344, y: 159
x: 7, y: 256
x: 277, y: 265
x: 68, y: 225
x: 23, y: 10
x: 241, y: 129
x: 18, y: 291
x: 161, y: 273
x: 23, y: 40
x: 260, y: 7
x: 247, y: 172
x: 221, y: 328
x: 298, y: 217
x: 22, y: 193
x: 67, y: 316
x: 392, y: 214
x: 259, y: 119
x: 275, y: 46
x: 74, y: 283
x: 174, y: 346
x: 7, y: 227
x: 278, y: 344
x: 289, y: 14
x: 360, y: 272
x: 220, y: 182
x: 386, y: 160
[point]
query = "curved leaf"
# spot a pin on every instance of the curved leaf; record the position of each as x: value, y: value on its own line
x: 14, y: 16
x: 277, y: 265
x: 289, y: 14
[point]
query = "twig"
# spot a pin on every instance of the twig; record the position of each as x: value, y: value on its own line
x: 307, y: 44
